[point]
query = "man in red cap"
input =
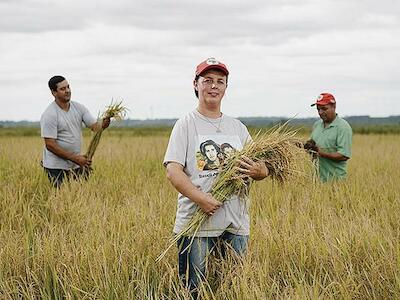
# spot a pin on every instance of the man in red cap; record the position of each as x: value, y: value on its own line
x: 333, y: 139
x: 195, y: 140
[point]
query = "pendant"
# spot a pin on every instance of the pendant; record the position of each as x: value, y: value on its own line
x: 218, y: 130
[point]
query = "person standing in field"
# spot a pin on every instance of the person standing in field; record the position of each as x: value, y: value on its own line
x: 333, y: 138
x: 228, y: 223
x: 61, y: 129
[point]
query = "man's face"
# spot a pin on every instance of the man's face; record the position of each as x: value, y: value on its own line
x: 211, y: 86
x: 327, y: 112
x: 211, y: 152
x: 63, y: 92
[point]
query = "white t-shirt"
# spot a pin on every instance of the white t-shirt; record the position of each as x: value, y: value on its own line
x: 200, y: 149
x: 66, y: 128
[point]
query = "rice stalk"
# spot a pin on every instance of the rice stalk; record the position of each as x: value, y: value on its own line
x: 277, y: 148
x: 115, y: 111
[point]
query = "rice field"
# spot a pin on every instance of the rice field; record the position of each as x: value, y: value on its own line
x: 99, y: 239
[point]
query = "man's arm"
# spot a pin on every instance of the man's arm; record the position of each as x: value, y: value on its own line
x: 182, y: 183
x: 53, y: 147
x: 336, y: 156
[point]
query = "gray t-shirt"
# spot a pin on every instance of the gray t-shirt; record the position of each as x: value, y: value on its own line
x: 66, y: 128
x: 196, y: 144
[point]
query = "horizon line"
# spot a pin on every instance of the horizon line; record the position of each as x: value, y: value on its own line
x: 240, y: 117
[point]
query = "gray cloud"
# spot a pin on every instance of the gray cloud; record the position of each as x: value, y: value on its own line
x: 145, y: 52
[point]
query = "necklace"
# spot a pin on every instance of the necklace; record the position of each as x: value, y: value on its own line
x: 218, y: 128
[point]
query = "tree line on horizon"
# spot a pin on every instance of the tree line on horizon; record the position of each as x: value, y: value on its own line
x: 250, y: 121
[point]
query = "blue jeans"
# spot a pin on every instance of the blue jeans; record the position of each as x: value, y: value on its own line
x: 57, y: 176
x: 192, y: 260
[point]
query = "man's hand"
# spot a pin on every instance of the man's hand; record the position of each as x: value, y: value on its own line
x: 250, y: 168
x: 208, y: 204
x: 100, y: 124
x: 310, y: 145
x: 106, y: 123
x: 82, y: 161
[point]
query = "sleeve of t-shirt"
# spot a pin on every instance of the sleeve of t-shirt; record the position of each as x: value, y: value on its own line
x: 177, y: 145
x: 245, y: 136
x: 343, y: 141
x: 48, y: 125
x: 87, y: 117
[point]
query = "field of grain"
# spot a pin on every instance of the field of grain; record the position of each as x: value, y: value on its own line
x: 99, y: 239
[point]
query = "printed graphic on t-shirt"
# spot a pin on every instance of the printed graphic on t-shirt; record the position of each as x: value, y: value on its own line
x: 212, y: 150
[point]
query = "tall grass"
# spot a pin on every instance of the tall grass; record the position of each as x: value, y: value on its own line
x: 99, y: 239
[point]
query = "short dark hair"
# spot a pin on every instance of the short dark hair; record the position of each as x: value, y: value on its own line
x: 208, y: 143
x: 197, y: 78
x: 54, y: 80
x: 196, y: 92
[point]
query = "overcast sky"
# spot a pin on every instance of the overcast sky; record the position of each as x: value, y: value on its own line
x: 281, y: 55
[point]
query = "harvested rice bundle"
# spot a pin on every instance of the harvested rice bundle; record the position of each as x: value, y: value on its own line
x: 277, y: 148
x: 114, y: 110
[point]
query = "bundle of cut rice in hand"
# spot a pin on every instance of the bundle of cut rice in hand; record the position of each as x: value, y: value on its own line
x: 281, y: 152
x: 115, y: 111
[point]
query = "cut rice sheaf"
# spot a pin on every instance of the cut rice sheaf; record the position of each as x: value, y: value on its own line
x: 115, y: 111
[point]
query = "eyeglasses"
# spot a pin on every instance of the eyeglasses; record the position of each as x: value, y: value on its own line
x: 208, y: 82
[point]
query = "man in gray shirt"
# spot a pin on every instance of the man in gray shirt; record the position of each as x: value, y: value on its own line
x: 61, y: 129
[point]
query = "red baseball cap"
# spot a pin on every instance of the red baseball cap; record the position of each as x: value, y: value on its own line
x: 324, y: 99
x: 211, y: 63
